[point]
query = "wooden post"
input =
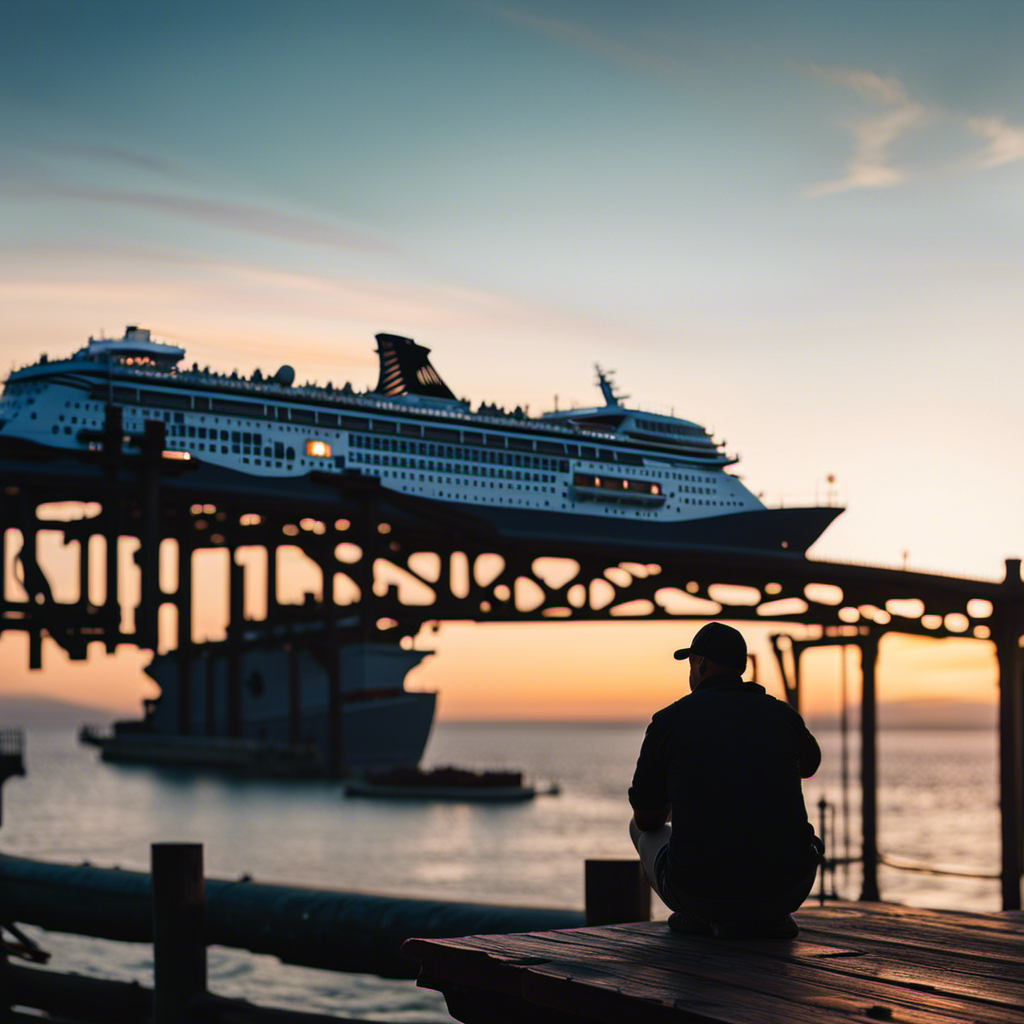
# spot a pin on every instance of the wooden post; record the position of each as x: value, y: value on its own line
x: 179, y: 924
x: 869, y: 768
x: 616, y: 891
x: 1008, y: 628
x: 6, y: 986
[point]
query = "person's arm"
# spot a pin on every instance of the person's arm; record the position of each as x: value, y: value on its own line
x: 648, y: 821
x: 810, y: 754
x: 648, y: 796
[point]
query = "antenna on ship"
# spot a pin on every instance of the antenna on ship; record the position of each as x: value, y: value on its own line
x: 606, y: 382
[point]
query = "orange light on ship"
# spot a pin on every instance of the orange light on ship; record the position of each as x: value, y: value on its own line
x: 320, y: 449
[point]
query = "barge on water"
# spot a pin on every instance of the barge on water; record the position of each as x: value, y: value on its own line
x: 460, y: 785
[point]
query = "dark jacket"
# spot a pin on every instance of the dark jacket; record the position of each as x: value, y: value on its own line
x: 729, y: 759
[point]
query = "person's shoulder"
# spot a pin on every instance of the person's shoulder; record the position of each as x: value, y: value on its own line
x: 785, y: 710
x: 673, y: 711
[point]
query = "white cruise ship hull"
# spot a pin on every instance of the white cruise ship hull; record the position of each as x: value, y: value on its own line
x: 610, y: 473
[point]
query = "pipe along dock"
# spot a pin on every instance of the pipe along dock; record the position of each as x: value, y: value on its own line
x: 182, y: 912
x: 852, y: 962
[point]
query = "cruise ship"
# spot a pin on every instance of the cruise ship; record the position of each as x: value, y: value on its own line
x: 605, y: 474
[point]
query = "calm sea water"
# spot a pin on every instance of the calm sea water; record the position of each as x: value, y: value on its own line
x: 938, y: 804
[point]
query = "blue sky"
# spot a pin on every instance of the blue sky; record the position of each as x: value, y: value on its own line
x: 799, y: 223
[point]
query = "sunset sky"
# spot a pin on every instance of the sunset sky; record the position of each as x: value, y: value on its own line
x: 797, y: 223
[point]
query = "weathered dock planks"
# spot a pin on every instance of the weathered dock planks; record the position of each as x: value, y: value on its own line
x: 851, y: 962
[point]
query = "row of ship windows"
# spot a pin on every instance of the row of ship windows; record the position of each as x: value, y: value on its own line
x: 178, y: 428
x: 282, y: 453
x: 492, y: 484
x: 323, y: 449
x: 235, y: 436
x: 447, y: 451
x: 320, y: 449
x: 275, y: 451
x: 366, y: 458
x: 661, y: 427
x: 130, y: 397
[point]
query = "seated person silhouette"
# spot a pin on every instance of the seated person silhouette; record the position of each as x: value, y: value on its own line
x: 725, y: 764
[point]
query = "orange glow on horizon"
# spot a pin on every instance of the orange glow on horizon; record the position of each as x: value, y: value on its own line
x: 567, y: 672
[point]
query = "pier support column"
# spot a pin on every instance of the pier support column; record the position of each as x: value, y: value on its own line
x: 210, y: 691
x: 1008, y: 628
x: 3, y: 561
x: 183, y: 603
x: 83, y: 570
x: 271, y: 582
x: 869, y: 767
x: 148, y: 558
x: 236, y: 603
x: 111, y: 599
x: 294, y: 695
x: 334, y: 737
x: 791, y: 686
x: 234, y: 684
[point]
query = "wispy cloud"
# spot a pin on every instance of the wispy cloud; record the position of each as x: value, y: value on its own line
x: 582, y: 37
x: 896, y: 116
x: 872, y: 163
x: 117, y: 155
x: 237, y: 216
x: 1005, y: 141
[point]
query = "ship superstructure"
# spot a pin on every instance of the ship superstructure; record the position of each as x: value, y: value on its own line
x: 603, y: 472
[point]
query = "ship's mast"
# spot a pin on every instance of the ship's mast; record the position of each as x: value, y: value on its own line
x: 606, y: 382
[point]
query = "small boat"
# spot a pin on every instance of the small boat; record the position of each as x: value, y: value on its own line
x: 448, y: 783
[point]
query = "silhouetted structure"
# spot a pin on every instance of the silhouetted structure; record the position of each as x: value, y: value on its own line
x: 352, y: 527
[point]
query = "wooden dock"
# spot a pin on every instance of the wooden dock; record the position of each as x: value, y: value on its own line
x: 851, y: 962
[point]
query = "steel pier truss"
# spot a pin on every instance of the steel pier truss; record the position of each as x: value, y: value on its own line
x: 391, y: 563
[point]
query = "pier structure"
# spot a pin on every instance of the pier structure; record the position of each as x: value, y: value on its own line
x: 851, y: 962
x: 389, y: 563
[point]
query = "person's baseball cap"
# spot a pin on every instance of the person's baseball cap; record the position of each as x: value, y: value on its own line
x: 720, y: 643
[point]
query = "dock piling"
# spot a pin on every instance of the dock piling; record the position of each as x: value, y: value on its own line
x: 616, y: 891
x: 179, y: 926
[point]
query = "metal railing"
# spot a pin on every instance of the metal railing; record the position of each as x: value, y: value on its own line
x: 827, y: 877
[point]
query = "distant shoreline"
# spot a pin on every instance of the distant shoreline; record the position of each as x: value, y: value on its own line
x: 23, y: 711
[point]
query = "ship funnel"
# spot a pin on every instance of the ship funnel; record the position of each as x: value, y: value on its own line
x: 405, y: 369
